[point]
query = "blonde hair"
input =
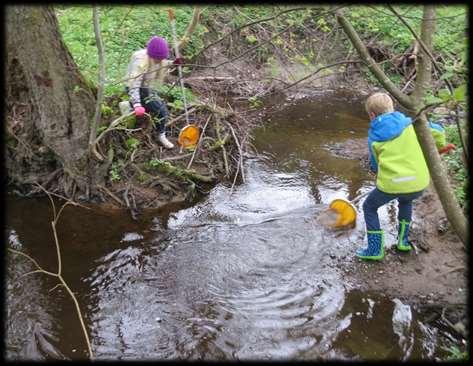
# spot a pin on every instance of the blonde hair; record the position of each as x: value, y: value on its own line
x: 379, y: 103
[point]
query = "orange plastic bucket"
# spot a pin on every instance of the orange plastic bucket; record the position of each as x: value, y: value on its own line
x: 189, y: 136
x: 345, y: 211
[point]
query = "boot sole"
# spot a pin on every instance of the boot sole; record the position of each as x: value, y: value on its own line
x: 370, y: 258
x: 403, y: 249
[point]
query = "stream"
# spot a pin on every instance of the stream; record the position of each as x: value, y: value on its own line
x: 243, y: 274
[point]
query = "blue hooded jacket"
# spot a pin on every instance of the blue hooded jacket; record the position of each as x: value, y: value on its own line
x: 388, y: 126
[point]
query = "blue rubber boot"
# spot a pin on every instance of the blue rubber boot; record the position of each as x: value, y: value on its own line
x: 375, y: 250
x: 403, y: 232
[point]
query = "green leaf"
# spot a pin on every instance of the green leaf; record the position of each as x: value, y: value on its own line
x: 430, y: 99
x: 132, y: 143
x: 459, y: 93
x: 444, y: 94
x: 251, y: 39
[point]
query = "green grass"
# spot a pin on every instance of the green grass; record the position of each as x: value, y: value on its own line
x: 125, y: 29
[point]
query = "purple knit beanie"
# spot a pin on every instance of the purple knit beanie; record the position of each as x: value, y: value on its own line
x: 157, y: 48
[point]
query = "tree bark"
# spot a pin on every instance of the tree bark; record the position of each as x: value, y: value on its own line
x: 61, y: 100
x: 414, y: 105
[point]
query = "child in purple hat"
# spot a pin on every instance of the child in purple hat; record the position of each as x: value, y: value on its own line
x: 148, y: 70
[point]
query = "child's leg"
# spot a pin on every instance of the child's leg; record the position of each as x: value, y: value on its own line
x: 375, y: 200
x: 375, y: 249
x: 405, y: 205
x: 404, y: 218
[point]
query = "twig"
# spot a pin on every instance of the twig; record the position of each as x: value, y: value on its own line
x: 59, y: 284
x: 199, y: 142
x: 100, y: 90
x: 177, y: 157
x: 111, y: 195
x: 240, y: 160
x: 109, y: 128
x: 253, y: 23
x: 253, y: 48
x: 234, y: 179
x: 424, y: 47
x: 224, y: 151
x: 174, y: 120
x: 31, y: 259
x: 58, y: 274
x: 190, y: 28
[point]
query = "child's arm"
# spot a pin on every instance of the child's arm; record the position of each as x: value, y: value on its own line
x: 373, y: 157
x: 438, y: 132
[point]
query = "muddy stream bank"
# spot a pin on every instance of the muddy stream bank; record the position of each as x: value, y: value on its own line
x: 243, y: 274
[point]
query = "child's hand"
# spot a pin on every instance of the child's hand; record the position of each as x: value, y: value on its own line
x: 178, y: 61
x: 447, y: 148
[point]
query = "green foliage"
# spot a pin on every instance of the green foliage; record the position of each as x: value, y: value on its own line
x: 132, y: 143
x: 174, y: 97
x: 101, y: 129
x: 115, y: 171
x: 106, y: 111
x: 125, y: 29
x: 444, y: 96
x: 449, y: 39
x: 456, y: 354
x: 251, y: 39
x: 456, y: 167
x: 156, y: 163
x: 322, y: 24
x: 255, y: 102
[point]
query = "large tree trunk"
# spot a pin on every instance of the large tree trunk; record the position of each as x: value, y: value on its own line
x: 415, y: 104
x: 61, y: 104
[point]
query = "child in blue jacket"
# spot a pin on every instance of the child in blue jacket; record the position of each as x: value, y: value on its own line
x: 401, y: 171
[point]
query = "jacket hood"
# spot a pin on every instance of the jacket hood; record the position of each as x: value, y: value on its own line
x: 388, y: 126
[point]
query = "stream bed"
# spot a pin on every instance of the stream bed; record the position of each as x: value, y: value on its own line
x: 243, y: 274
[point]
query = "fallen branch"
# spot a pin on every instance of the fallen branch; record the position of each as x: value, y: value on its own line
x: 240, y: 160
x: 178, y: 118
x: 111, y: 195
x: 222, y: 144
x: 168, y: 168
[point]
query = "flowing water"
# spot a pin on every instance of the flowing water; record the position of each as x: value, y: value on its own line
x: 243, y: 274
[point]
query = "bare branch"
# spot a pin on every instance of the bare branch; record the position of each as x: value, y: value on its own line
x: 377, y: 71
x: 101, y: 86
x: 246, y: 26
x: 190, y: 28
x: 253, y: 48
x: 422, y: 44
